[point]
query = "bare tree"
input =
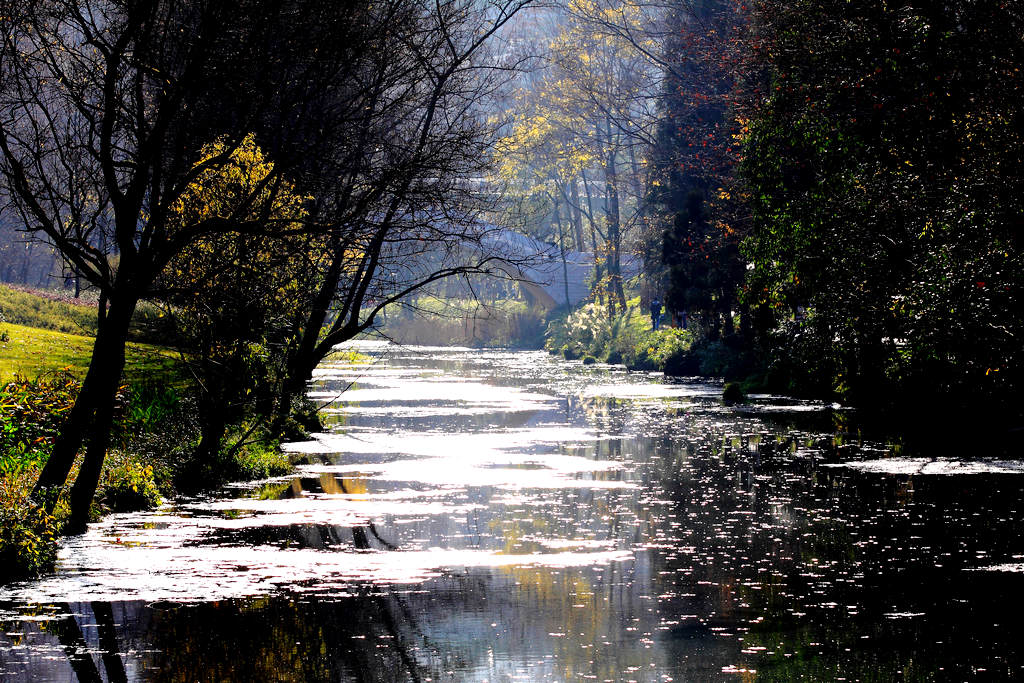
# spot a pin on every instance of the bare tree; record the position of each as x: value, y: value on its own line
x: 108, y: 110
x: 402, y: 204
x: 105, y: 108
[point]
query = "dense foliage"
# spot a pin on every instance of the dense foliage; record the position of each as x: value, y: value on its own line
x: 885, y: 160
x: 594, y: 332
x: 696, y: 224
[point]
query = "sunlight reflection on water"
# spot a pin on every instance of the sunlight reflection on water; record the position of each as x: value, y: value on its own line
x: 495, y: 515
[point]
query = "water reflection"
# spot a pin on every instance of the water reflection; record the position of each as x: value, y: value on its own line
x: 505, y: 516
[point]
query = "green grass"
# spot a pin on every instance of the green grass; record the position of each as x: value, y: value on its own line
x: 35, y: 310
x: 30, y: 351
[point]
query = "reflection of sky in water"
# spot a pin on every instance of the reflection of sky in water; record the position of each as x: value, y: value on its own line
x: 494, y: 515
x: 934, y: 466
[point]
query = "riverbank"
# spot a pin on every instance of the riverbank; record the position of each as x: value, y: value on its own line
x: 153, y: 442
x: 786, y: 363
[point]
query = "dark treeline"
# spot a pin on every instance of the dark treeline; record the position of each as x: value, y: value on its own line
x: 273, y: 173
x: 845, y: 182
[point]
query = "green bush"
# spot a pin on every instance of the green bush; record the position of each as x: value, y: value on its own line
x: 625, y: 337
x: 654, y: 349
x: 245, y: 454
x: 128, y: 485
x: 589, y: 360
x: 151, y: 325
x: 32, y: 410
x: 261, y: 459
x: 28, y: 534
x: 147, y: 404
x: 733, y: 393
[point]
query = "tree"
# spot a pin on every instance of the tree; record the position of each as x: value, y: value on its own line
x: 693, y: 205
x: 399, y: 207
x: 589, y: 120
x: 884, y: 158
x: 105, y: 109
x: 235, y: 296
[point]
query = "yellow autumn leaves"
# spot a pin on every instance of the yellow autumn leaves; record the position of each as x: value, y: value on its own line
x: 237, y: 183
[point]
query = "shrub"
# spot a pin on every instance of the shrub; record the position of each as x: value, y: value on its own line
x: 655, y: 349
x: 31, y: 410
x: 733, y: 393
x: 147, y: 404
x: 152, y: 325
x: 303, y: 418
x: 128, y: 485
x: 261, y: 459
x: 589, y: 360
x: 28, y: 534
x: 622, y: 338
x: 246, y: 453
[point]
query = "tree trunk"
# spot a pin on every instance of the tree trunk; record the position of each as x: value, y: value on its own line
x: 301, y: 362
x: 593, y: 241
x: 561, y: 250
x: 577, y: 214
x: 108, y: 359
x: 73, y: 431
x: 614, y: 226
x: 728, y: 326
x: 26, y: 262
x: 213, y: 429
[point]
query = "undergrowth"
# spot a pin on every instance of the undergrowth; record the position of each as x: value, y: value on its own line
x: 624, y: 337
x: 30, y: 414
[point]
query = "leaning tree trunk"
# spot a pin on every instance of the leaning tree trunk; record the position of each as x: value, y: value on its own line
x: 105, y: 367
x: 301, y: 361
x: 108, y: 362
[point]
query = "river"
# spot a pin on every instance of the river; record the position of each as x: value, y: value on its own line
x: 508, y: 516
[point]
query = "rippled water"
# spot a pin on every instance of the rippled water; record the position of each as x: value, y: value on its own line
x: 505, y: 516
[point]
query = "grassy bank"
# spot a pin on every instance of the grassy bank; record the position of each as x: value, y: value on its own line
x: 59, y: 312
x: 30, y: 351
x: 153, y: 442
x: 48, y: 310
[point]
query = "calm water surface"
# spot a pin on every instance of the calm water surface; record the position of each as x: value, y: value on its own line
x: 505, y: 516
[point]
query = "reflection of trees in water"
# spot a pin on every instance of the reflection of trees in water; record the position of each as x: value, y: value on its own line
x: 68, y: 625
x: 72, y: 640
x: 285, y: 639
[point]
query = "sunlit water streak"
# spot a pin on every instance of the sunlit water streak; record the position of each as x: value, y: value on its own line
x: 486, y: 516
